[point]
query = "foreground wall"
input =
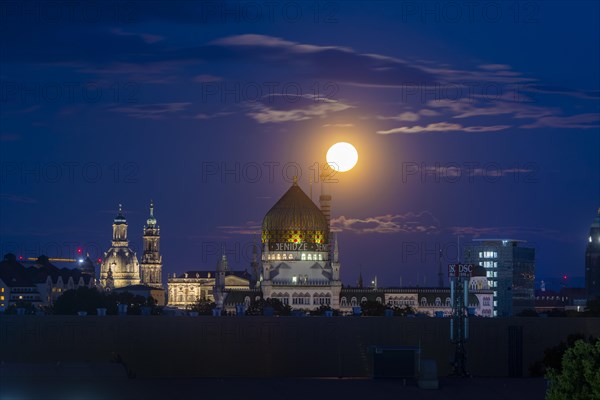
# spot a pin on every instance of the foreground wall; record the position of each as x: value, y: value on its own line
x: 164, y: 346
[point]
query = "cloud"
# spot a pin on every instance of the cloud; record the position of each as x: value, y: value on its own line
x: 513, y: 232
x: 579, y: 121
x: 405, y: 116
x: 443, y: 127
x: 466, y: 108
x: 152, y: 111
x: 264, y: 114
x: 17, y: 198
x: 9, y: 137
x: 250, y: 228
x: 338, y: 125
x: 146, y: 37
x: 428, y: 113
x: 205, y: 78
x: 335, y: 63
x: 423, y: 222
x: 211, y: 116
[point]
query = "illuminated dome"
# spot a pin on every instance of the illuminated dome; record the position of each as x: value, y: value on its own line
x: 295, y: 219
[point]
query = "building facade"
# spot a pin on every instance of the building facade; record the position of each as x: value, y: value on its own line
x: 120, y: 266
x: 592, y: 260
x: 151, y: 266
x: 510, y: 271
x: 299, y: 267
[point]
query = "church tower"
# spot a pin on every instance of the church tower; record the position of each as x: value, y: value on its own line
x: 151, y: 265
x: 592, y: 260
x: 120, y: 262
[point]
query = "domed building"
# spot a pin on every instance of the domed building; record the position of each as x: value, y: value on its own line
x: 298, y: 266
x: 120, y: 261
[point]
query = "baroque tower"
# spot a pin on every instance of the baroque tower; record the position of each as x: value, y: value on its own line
x: 120, y: 262
x: 151, y: 265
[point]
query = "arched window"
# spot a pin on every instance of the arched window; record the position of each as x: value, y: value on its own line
x: 363, y: 299
x: 278, y: 256
x: 378, y: 300
x: 303, y: 257
x: 284, y: 257
x: 290, y: 256
x: 309, y: 256
x: 353, y: 302
x: 344, y: 302
x: 423, y: 301
x: 438, y: 302
x: 448, y: 302
x: 247, y: 301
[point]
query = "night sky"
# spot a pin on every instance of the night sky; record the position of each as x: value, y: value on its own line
x: 473, y: 120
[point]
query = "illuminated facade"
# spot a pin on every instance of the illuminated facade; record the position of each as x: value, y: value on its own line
x: 151, y: 266
x: 592, y: 260
x: 510, y: 271
x: 298, y: 266
x: 120, y: 262
x: 120, y: 266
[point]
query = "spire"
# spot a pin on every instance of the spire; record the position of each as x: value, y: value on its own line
x: 336, y: 252
x: 360, y: 278
x: 440, y: 273
x: 151, y: 221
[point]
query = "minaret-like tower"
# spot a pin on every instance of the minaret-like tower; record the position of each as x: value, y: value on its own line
x: 151, y: 265
x: 219, y: 289
x: 592, y: 260
x: 324, y: 198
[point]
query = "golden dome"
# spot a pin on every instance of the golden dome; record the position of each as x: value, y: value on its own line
x: 296, y: 219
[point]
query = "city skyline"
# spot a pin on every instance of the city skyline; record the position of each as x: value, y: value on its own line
x: 463, y: 129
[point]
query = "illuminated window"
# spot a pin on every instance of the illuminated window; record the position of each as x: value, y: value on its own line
x: 290, y: 256
x: 278, y: 256
x: 284, y: 257
x: 344, y: 302
x: 320, y: 257
x: 303, y: 257
x: 294, y: 279
x: 309, y: 256
x: 1, y: 297
x: 353, y: 302
x: 2, y: 290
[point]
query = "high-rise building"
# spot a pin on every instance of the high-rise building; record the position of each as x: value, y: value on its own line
x: 510, y: 270
x: 592, y: 260
x: 151, y: 265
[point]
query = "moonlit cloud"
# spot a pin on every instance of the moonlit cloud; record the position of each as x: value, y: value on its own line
x: 152, y: 111
x: 443, y: 127
x: 423, y: 222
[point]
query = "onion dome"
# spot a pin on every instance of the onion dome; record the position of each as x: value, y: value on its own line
x: 295, y: 218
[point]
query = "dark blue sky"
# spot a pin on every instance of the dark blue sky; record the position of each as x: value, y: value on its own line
x: 480, y: 120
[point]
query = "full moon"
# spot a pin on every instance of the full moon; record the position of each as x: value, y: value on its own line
x: 342, y: 156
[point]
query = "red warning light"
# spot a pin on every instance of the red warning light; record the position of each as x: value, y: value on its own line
x: 79, y: 250
x: 565, y: 277
x: 20, y: 257
x: 99, y: 261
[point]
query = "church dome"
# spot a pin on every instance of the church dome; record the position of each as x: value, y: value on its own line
x: 123, y: 263
x: 295, y: 218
